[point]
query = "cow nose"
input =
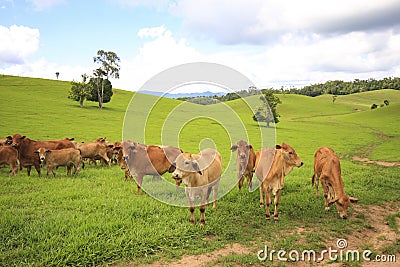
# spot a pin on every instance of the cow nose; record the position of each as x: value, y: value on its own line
x: 42, y: 158
x: 243, y: 156
x: 125, y: 157
x: 344, y: 217
x: 301, y: 164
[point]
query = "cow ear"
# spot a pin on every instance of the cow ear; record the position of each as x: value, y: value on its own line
x: 36, y: 152
x: 233, y: 148
x: 353, y: 199
x: 9, y: 137
x: 48, y: 151
x: 23, y: 137
x: 278, y: 147
x: 196, y: 167
x: 249, y: 146
x: 110, y: 146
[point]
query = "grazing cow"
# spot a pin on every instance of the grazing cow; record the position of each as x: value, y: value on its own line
x: 119, y: 156
x: 26, y: 148
x: 271, y: 168
x: 148, y: 160
x: 93, y: 151
x: 67, y: 157
x: 199, y: 173
x: 327, y: 169
x: 245, y: 162
x: 9, y: 155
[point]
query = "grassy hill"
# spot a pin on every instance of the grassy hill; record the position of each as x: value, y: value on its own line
x: 95, y: 218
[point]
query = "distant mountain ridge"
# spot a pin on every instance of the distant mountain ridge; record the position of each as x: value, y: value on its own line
x: 180, y: 95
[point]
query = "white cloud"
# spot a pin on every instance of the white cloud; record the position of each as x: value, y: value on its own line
x: 17, y: 43
x: 160, y: 52
x: 262, y: 22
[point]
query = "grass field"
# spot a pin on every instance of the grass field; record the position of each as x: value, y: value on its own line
x: 95, y: 218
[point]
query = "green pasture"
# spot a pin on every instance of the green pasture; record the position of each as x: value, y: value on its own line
x: 96, y: 218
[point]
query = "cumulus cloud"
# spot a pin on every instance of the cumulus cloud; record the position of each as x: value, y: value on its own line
x: 17, y: 43
x: 262, y: 22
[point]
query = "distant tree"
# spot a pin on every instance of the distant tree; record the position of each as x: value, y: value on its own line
x: 80, y: 90
x: 334, y: 98
x: 386, y: 102
x: 109, y: 68
x: 97, y: 86
x: 267, y: 112
x: 374, y: 106
x: 57, y: 74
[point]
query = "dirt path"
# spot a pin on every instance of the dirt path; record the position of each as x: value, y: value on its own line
x: 376, y: 236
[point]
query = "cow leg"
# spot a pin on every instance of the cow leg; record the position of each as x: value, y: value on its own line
x: 37, y: 167
x: 139, y: 180
x: 241, y: 180
x: 202, y: 217
x: 276, y: 202
x: 51, y: 169
x: 261, y: 197
x: 249, y: 180
x: 325, y: 188
x: 267, y: 203
x: 215, y: 193
x: 315, y: 182
x: 69, y: 169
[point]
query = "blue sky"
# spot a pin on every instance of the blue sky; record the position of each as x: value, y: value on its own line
x: 274, y: 43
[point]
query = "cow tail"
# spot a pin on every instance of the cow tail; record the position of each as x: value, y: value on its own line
x: 313, y: 179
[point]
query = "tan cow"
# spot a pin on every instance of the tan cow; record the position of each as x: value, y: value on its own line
x: 148, y: 160
x: 6, y: 141
x: 68, y: 157
x: 200, y: 173
x: 271, y: 168
x: 93, y: 151
x: 327, y: 169
x: 245, y: 162
x: 9, y: 155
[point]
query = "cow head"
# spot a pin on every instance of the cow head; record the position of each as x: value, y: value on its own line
x: 17, y: 139
x: 183, y: 166
x: 342, y: 204
x: 243, y: 150
x: 289, y: 155
x: 8, y: 140
x: 42, y: 153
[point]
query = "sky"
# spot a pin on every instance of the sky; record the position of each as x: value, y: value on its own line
x: 274, y: 43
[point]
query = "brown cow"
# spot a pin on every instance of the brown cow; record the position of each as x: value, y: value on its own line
x: 271, y: 168
x: 148, y: 160
x: 66, y: 157
x: 9, y: 155
x: 93, y: 151
x: 327, y: 169
x: 26, y: 148
x: 119, y: 156
x: 245, y: 162
x: 199, y: 173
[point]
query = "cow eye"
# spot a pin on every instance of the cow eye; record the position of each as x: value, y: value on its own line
x: 290, y: 153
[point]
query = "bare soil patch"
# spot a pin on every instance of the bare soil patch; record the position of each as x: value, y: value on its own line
x: 382, y: 163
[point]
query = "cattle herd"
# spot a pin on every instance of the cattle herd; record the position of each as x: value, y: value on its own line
x: 200, y: 173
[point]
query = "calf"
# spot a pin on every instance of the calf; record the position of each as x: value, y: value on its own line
x: 26, y: 148
x: 199, y: 173
x: 327, y: 169
x: 271, y: 168
x: 245, y: 162
x: 67, y: 157
x: 6, y: 141
x: 148, y: 160
x: 9, y: 155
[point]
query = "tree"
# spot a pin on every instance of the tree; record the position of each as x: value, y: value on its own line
x: 334, y: 98
x: 386, y: 102
x: 57, y: 74
x: 374, y: 106
x: 109, y: 69
x: 80, y: 90
x: 97, y: 86
x: 266, y: 112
